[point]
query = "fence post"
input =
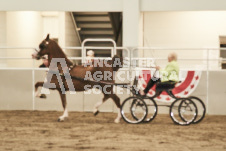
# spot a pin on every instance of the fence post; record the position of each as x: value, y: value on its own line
x: 33, y: 85
x: 207, y: 83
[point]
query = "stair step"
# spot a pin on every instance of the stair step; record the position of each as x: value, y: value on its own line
x: 99, y: 44
x: 103, y: 51
x: 97, y: 32
x: 93, y: 18
x: 97, y: 36
x: 90, y: 13
x: 96, y: 25
x: 93, y: 22
x: 96, y: 29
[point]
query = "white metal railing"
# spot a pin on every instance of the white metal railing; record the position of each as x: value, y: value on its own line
x: 130, y: 57
x: 113, y: 51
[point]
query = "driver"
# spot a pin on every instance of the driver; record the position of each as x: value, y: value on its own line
x: 170, y: 73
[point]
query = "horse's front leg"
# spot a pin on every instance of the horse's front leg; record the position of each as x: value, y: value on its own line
x: 37, y: 94
x: 117, y: 103
x: 64, y: 103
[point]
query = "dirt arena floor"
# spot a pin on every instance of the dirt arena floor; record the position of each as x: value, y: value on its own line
x: 40, y: 131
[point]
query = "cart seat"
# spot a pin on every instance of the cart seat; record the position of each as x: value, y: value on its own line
x: 165, y: 86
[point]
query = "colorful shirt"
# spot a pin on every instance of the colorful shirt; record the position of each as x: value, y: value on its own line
x: 171, y: 72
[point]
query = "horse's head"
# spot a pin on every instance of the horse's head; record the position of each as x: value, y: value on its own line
x: 43, y: 48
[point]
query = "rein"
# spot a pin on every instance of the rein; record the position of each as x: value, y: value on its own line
x: 123, y: 85
x: 100, y: 82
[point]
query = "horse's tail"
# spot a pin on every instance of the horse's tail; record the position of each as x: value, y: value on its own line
x: 117, y: 62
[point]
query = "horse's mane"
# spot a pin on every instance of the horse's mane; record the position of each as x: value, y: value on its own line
x: 58, y: 52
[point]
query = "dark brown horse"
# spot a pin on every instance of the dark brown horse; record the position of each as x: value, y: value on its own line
x: 78, y: 74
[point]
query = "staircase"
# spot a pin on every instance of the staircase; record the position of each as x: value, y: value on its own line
x: 99, y: 25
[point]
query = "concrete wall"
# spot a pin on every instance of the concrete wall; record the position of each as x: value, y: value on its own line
x: 2, y: 36
x: 128, y: 7
x: 16, y: 94
x: 69, y: 5
x: 15, y: 90
x: 2, y: 28
x: 182, y: 5
x: 111, y: 5
x: 189, y: 29
x: 24, y: 29
x: 184, y: 29
x: 71, y: 37
x: 217, y: 91
x: 28, y: 29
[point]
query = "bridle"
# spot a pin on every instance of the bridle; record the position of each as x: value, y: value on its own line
x: 38, y: 51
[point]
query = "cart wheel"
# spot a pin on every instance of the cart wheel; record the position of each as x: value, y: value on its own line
x: 183, y: 111
x: 152, y: 109
x: 134, y: 110
x: 201, y: 109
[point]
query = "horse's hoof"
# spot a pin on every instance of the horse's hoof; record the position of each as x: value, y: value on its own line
x: 60, y: 120
x: 117, y: 121
x: 95, y: 114
x: 42, y: 96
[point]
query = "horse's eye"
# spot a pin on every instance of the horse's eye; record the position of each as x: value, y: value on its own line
x: 41, y: 46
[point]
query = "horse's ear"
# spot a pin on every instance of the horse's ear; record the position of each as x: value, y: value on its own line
x: 47, y: 37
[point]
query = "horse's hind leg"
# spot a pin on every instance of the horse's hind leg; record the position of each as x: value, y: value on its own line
x: 98, y: 104
x: 64, y: 103
x: 117, y: 103
x: 37, y: 94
